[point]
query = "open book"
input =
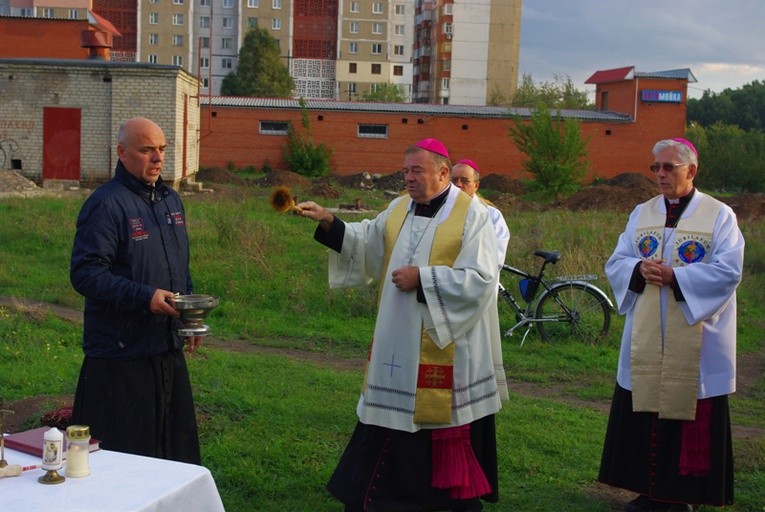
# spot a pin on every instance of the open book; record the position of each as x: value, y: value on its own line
x: 31, y: 442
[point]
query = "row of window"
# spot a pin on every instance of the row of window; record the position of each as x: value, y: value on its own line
x: 377, y: 28
x: 227, y: 22
x: 376, y: 69
x: 46, y: 12
x: 229, y: 4
x: 363, y: 130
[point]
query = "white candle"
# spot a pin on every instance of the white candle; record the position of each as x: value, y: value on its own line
x: 77, y: 460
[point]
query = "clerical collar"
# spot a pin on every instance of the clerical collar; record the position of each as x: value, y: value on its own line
x: 430, y: 208
x: 676, y: 207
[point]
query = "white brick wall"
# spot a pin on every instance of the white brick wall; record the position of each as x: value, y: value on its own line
x: 107, y: 94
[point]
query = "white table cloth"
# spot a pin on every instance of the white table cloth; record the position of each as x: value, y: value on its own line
x: 118, y: 482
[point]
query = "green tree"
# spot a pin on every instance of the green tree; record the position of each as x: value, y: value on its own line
x: 744, y: 107
x: 559, y: 93
x: 556, y: 152
x: 301, y: 154
x: 385, y: 92
x: 730, y: 159
x: 260, y: 71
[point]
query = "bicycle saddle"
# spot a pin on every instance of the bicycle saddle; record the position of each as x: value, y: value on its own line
x: 550, y: 257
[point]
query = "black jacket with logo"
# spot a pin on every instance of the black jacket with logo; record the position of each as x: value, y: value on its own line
x: 131, y: 239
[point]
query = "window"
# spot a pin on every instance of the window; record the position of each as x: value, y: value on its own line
x: 398, y: 49
x: 204, y: 42
x: 204, y: 63
x: 26, y: 12
x: 47, y: 13
x: 228, y: 22
x: 377, y: 28
x: 177, y: 19
x: 253, y: 4
x: 274, y: 127
x: 376, y: 69
x: 373, y: 131
x: 398, y: 30
x: 354, y: 7
x: 377, y: 8
x: 226, y: 43
x: 153, y: 38
x: 376, y: 48
x: 400, y: 9
x: 445, y: 84
x: 398, y: 70
x: 276, y: 24
x: 351, y: 67
x: 353, y: 47
x: 177, y: 2
x: 354, y: 28
x: 226, y: 63
x: 177, y: 60
x: 448, y: 9
x: 177, y: 40
x: 352, y: 87
x: 447, y: 28
x: 204, y: 3
x: 152, y: 58
x: 153, y: 18
x: 204, y: 21
x: 205, y: 83
x: 153, y: 1
x: 276, y: 4
x: 228, y: 4
x: 73, y: 14
x: 252, y: 22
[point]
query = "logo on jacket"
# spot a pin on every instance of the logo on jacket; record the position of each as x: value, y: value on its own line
x: 138, y: 229
x: 178, y: 218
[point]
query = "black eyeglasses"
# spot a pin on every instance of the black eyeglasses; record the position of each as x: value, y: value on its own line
x: 667, y: 166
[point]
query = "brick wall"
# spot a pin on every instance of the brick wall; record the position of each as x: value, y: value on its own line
x: 230, y: 135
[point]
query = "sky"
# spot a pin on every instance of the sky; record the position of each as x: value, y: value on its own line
x: 722, y: 42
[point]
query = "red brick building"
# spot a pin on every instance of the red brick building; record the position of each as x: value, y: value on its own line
x: 633, y: 110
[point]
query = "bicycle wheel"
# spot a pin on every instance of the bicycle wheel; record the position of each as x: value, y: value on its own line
x: 572, y: 311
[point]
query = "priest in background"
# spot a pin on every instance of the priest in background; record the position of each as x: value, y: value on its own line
x: 674, y: 273
x: 425, y: 436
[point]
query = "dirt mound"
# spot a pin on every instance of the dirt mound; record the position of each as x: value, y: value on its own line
x: 393, y: 182
x: 605, y: 197
x: 504, y: 184
x: 325, y: 187
x: 747, y: 206
x: 509, y: 203
x: 12, y: 182
x: 218, y: 175
x: 286, y: 178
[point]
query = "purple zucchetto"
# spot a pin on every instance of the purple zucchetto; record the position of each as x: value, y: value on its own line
x: 470, y: 163
x: 688, y: 143
x: 434, y: 146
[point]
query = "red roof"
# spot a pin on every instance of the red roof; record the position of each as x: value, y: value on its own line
x: 102, y: 23
x: 611, y: 75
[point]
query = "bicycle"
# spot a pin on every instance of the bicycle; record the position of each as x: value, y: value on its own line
x: 568, y: 306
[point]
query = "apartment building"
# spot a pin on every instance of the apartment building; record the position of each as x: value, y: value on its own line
x: 465, y: 51
x: 436, y: 51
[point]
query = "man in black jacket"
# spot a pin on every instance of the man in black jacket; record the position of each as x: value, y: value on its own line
x: 130, y: 256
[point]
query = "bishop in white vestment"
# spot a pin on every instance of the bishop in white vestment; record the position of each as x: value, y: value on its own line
x: 434, y: 378
x: 674, y: 274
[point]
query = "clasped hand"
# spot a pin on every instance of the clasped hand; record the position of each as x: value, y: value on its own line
x: 656, y: 272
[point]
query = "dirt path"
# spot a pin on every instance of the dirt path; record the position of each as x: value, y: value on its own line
x: 750, y: 368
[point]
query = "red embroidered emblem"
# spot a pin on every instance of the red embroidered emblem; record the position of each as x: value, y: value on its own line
x: 435, y: 376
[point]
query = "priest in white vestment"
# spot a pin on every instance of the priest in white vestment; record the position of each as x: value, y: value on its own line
x: 434, y: 376
x: 674, y: 274
x: 467, y: 177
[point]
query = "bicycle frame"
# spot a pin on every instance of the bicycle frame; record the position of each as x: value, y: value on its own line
x: 525, y: 316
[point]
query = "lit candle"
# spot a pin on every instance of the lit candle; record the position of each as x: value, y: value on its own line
x: 78, y: 439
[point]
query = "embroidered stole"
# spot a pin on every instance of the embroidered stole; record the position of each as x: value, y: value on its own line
x: 435, y: 375
x: 666, y: 380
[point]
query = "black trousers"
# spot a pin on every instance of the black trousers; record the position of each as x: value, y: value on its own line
x: 641, y: 453
x: 389, y: 470
x: 139, y: 406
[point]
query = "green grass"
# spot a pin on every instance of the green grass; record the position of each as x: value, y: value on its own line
x: 272, y: 427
